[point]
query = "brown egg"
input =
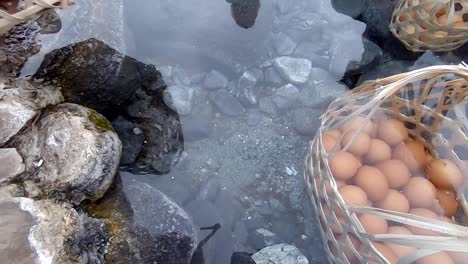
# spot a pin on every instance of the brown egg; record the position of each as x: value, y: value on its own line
x: 459, y: 257
x: 420, y: 192
x: 356, y: 124
x: 334, y: 133
x: 444, y: 174
x: 373, y: 224
x: 378, y: 151
x: 360, y: 145
x: 428, y: 8
x: 394, y: 201
x: 395, y: 171
x: 400, y: 250
x: 442, y: 20
x: 412, y: 153
x: 373, y: 182
x: 446, y: 203
x: 329, y: 141
x: 344, y: 165
x: 392, y: 131
x: 353, y: 195
x: 437, y: 258
x: 423, y: 212
x: 386, y: 252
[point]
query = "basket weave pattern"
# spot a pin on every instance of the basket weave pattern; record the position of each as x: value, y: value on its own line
x: 432, y: 103
x: 437, y: 25
x: 29, y: 9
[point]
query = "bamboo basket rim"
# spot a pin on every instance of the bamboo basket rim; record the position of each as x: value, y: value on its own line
x: 457, y: 235
x: 31, y: 8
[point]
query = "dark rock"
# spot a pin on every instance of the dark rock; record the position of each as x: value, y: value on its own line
x: 226, y: 103
x: 352, y: 8
x: 462, y: 53
x: 215, y: 80
x: 49, y: 22
x: 93, y: 74
x: 132, y: 143
x: 241, y: 258
x: 370, y: 58
x: 267, y: 106
x: 245, y: 12
x: 386, y: 69
x: 377, y: 16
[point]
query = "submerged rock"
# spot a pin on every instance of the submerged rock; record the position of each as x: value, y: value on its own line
x: 285, y: 96
x: 279, y: 254
x: 179, y: 98
x: 20, y: 103
x: 49, y: 233
x: 226, y: 103
x: 11, y: 163
x: 132, y: 143
x: 283, y: 44
x: 241, y: 258
x: 215, y: 80
x: 295, y: 70
x: 93, y: 74
x: 70, y: 150
x: 244, y: 90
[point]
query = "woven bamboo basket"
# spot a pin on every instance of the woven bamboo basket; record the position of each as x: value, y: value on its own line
x: 28, y: 9
x: 432, y: 103
x: 437, y: 25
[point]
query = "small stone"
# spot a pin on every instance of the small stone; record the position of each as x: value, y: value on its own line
x: 179, y: 76
x: 226, y: 103
x: 215, y: 80
x: 11, y: 164
x: 137, y: 131
x: 306, y: 121
x: 179, y: 99
x: 199, y: 126
x: 258, y: 74
x: 283, y: 44
x: 295, y: 70
x: 253, y: 117
x: 264, y: 238
x: 279, y: 254
x: 245, y: 90
x: 131, y: 137
x: 285, y: 96
x: 267, y: 105
x: 318, y: 75
x: 322, y: 93
x: 272, y: 76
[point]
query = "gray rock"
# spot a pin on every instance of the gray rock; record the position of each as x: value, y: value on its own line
x: 72, y: 150
x: 352, y: 8
x: 283, y: 44
x: 264, y: 238
x: 240, y: 236
x: 294, y: 70
x: 179, y: 98
x: 306, y: 121
x: 215, y: 80
x: 131, y: 137
x: 258, y: 74
x: 345, y: 48
x: 179, y: 76
x: 321, y: 94
x: 276, y: 205
x: 377, y: 16
x: 199, y: 126
x: 272, y: 76
x: 93, y: 74
x: 253, y: 117
x: 241, y: 258
x: 279, y: 254
x: 49, y: 233
x: 11, y: 163
x: 245, y: 89
x: 198, y: 77
x: 267, y: 106
x: 318, y: 75
x: 310, y: 50
x: 285, y: 96
x: 370, y: 58
x: 20, y: 103
x: 226, y: 103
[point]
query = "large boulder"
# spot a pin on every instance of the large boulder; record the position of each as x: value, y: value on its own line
x: 20, y: 102
x: 146, y: 225
x: 95, y: 75
x: 70, y: 150
x: 47, y: 232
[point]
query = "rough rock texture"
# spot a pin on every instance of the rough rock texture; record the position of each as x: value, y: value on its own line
x: 293, y: 69
x: 377, y: 16
x: 93, y: 74
x: 131, y: 137
x: 145, y: 224
x: 56, y: 233
x: 241, y: 258
x: 11, y: 164
x: 20, y: 103
x: 71, y: 150
x: 279, y: 254
x: 179, y: 98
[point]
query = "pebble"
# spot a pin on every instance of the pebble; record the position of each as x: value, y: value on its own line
x: 322, y: 93
x: 295, y: 70
x: 285, y: 96
x: 280, y: 254
x: 179, y: 98
x: 226, y: 103
x: 283, y: 44
x: 306, y: 121
x: 215, y: 80
x: 267, y: 106
x: 131, y: 137
x: 272, y: 76
x: 263, y: 238
x: 253, y: 117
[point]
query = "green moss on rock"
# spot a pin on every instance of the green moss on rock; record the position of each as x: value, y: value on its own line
x: 101, y: 123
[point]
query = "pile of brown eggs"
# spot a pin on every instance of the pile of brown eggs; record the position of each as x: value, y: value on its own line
x: 442, y: 19
x: 385, y: 168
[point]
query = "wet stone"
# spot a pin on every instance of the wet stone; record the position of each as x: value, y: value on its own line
x: 285, y: 96
x: 318, y: 75
x: 283, y: 44
x: 272, y: 76
x: 322, y: 93
x: 295, y: 70
x: 264, y: 238
x: 253, y: 117
x: 279, y: 254
x: 245, y: 89
x: 179, y: 98
x: 179, y: 76
x: 11, y: 163
x: 215, y: 80
x: 352, y: 8
x: 306, y: 121
x: 131, y: 137
x: 241, y: 258
x: 267, y: 106
x: 226, y: 103
x: 199, y: 126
